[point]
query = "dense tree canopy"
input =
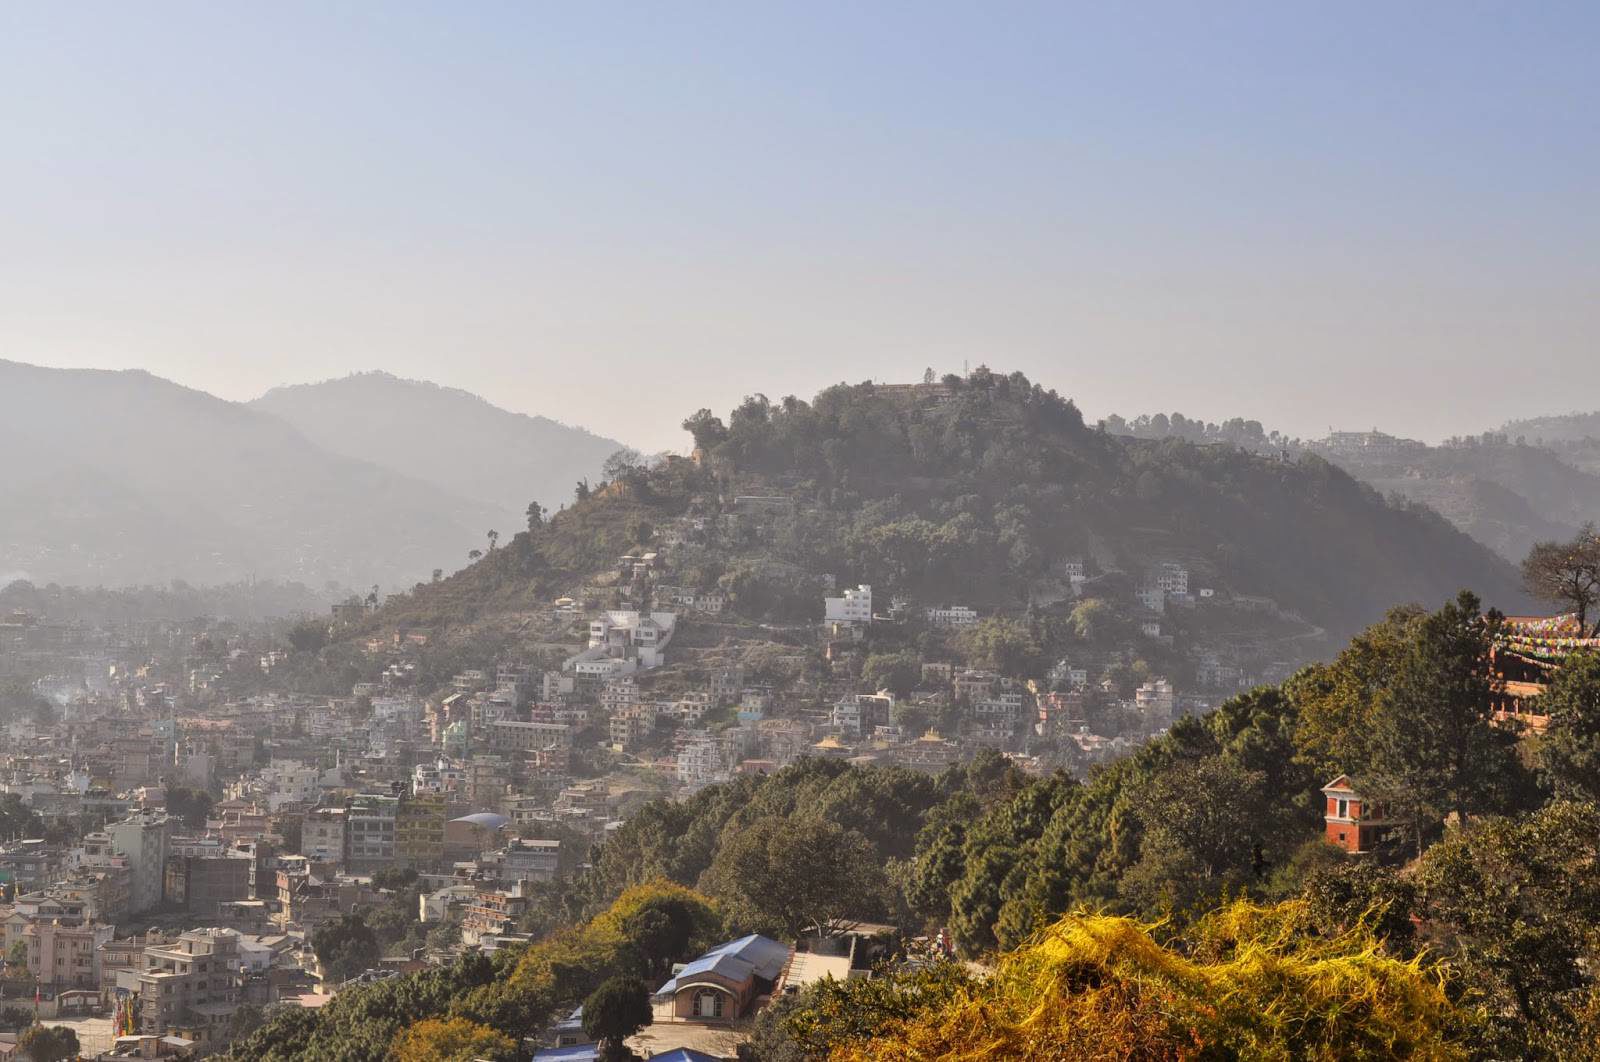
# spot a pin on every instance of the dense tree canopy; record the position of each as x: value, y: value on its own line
x: 1569, y: 751
x: 346, y: 947
x: 47, y: 1043
x: 614, y: 1011
x: 452, y: 1040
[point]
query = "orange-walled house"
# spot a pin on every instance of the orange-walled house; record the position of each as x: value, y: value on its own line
x: 1353, y: 823
x: 724, y: 984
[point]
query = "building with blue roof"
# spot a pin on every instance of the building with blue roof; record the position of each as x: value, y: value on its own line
x: 723, y: 984
x: 591, y: 1053
x: 576, y: 1053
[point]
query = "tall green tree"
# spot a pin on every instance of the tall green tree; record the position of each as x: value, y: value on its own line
x: 190, y: 805
x: 1202, y: 834
x: 615, y: 1011
x: 1513, y: 904
x: 1569, y: 751
x: 1436, y: 747
x: 898, y: 672
x: 1339, y: 705
x: 780, y: 875
x: 346, y: 947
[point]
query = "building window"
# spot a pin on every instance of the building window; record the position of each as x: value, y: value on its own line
x: 1344, y: 809
x: 708, y: 1004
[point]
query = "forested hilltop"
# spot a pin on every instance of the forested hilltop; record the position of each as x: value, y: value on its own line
x: 1183, y: 899
x: 984, y: 489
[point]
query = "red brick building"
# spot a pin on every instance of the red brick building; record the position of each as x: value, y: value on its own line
x: 1353, y: 823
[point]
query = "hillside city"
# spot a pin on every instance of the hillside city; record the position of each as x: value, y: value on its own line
x: 799, y: 532
x: 182, y: 816
x: 211, y: 825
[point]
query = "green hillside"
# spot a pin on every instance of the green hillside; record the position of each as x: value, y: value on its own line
x: 979, y: 490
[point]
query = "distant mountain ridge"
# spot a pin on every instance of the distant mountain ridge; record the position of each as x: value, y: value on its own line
x: 449, y: 437
x: 1557, y: 428
x: 122, y: 478
x: 1507, y: 489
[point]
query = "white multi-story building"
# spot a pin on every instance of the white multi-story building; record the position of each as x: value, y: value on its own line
x: 702, y: 761
x: 953, y: 616
x: 853, y: 606
x: 619, y: 693
x: 1155, y: 701
x: 1171, y: 577
x: 516, y: 735
x: 190, y: 983
x: 1064, y: 674
x: 290, y: 782
x: 643, y: 636
x: 1002, y: 708
x: 846, y: 716
x: 440, y: 776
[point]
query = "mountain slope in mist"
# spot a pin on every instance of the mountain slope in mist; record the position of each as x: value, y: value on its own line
x: 448, y: 437
x: 123, y: 477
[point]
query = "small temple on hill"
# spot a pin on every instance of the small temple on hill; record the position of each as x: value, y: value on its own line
x: 1528, y: 650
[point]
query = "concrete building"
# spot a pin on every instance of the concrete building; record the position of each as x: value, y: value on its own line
x: 514, y: 735
x: 952, y: 616
x: 322, y: 835
x: 203, y: 881
x: 723, y: 984
x: 853, y: 606
x: 419, y: 830
x: 371, y: 831
x: 1171, y: 577
x: 526, y: 859
x: 1155, y: 701
x: 189, y: 985
x: 62, y: 956
x: 142, y: 838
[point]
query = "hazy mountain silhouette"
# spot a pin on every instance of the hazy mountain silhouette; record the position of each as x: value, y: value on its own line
x: 123, y: 477
x: 449, y: 437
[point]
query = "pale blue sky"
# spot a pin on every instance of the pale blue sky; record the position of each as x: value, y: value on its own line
x: 1313, y: 214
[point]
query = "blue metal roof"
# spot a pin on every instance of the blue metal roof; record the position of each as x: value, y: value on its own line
x: 736, y: 960
x: 578, y: 1053
x: 681, y: 1054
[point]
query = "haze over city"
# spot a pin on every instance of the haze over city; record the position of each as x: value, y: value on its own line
x: 1312, y: 215
x: 799, y: 532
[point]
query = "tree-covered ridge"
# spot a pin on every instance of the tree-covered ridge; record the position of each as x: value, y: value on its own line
x: 976, y: 489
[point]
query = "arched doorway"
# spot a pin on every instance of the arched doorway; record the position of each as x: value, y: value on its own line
x: 707, y: 1003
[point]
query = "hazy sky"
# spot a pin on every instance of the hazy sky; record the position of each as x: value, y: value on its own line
x: 1347, y: 214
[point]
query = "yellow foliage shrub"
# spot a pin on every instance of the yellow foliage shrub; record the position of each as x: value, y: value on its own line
x: 1248, y: 982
